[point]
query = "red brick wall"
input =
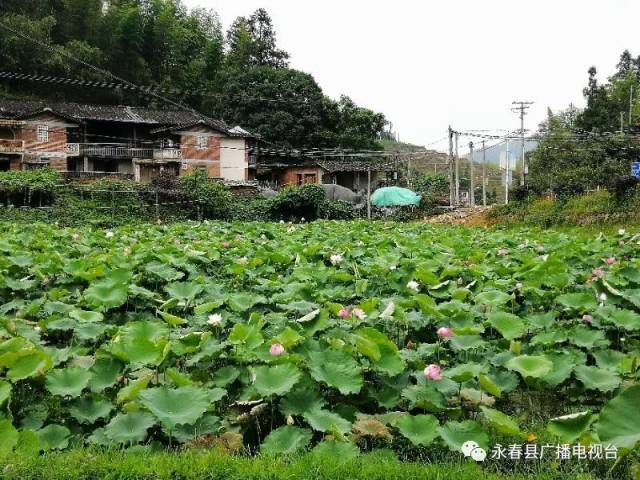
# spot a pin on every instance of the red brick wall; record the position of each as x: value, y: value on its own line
x: 190, y: 151
x: 58, y: 163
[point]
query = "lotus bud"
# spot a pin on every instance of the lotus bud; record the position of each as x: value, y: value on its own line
x: 290, y: 420
x: 432, y: 372
x: 445, y: 332
x: 276, y: 350
x: 344, y: 313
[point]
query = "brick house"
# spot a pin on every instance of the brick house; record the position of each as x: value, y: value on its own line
x: 132, y: 142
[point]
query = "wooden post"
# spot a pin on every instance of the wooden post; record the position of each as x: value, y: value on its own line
x: 157, y: 207
x: 113, y: 205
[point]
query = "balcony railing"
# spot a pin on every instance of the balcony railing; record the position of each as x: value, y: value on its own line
x: 116, y: 150
x: 11, y: 146
x: 167, y: 154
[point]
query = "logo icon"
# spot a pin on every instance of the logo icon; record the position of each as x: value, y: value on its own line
x: 473, y: 450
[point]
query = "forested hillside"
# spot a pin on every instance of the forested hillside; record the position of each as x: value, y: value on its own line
x: 240, y: 76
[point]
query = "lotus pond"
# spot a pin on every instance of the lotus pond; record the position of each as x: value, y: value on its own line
x: 339, y: 337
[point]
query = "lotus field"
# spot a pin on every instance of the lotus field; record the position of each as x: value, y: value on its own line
x: 335, y: 336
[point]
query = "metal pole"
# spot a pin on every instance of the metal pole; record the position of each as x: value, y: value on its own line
x: 457, y: 171
x: 451, y: 185
x: 484, y: 175
x: 472, y: 199
x: 522, y: 174
x: 369, y: 193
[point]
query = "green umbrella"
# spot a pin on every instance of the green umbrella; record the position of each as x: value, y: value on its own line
x: 394, y: 197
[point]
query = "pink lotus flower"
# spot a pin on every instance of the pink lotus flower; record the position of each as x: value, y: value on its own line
x: 445, y: 332
x: 502, y: 252
x: 344, y: 313
x: 432, y: 372
x: 226, y: 244
x: 359, y: 313
x: 610, y: 260
x: 597, y: 272
x: 587, y: 318
x: 276, y: 349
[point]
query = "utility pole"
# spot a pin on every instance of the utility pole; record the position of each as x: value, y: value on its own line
x: 522, y: 108
x: 457, y: 171
x: 630, y: 107
x: 484, y: 175
x: 506, y: 176
x: 451, y: 186
x: 472, y: 196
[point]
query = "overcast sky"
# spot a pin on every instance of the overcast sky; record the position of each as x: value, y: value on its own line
x: 428, y: 64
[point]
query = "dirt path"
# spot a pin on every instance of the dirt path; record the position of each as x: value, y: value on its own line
x: 470, y: 217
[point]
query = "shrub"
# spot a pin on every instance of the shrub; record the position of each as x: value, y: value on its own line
x: 213, y: 197
x: 295, y: 203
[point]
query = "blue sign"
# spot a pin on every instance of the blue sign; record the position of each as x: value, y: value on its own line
x: 635, y: 169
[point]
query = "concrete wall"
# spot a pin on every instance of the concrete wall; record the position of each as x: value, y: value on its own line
x: 234, y: 159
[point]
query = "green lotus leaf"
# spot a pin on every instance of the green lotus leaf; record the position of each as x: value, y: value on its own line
x: 325, y: 420
x: 241, y: 302
x: 133, y: 389
x: 455, y: 434
x: 165, y: 272
x: 586, y: 337
x: 106, y: 294
x: 501, y: 422
x: 625, y: 319
x: 129, y: 428
x: 179, y: 406
x: 302, y: 399
x: 54, y: 437
x: 28, y: 444
x: 336, y: 451
x: 534, y: 366
x: 510, y: 326
x: 580, y: 302
x: 276, y: 380
x: 90, y: 409
x: 488, y: 385
x: 463, y: 372
x: 595, y: 378
x: 570, y: 428
x: 5, y: 392
x: 104, y: 373
x: 68, y: 382
x: 246, y: 335
x: 337, y: 369
x: 86, y: 316
x: 286, y: 440
x: 467, y: 342
x: 141, y: 343
x: 609, y: 359
x: 492, y: 298
x: 225, y: 376
x: 184, y: 290
x: 563, y: 365
x: 208, y: 424
x: 421, y: 430
x: 619, y: 423
x: 8, y: 437
x: 27, y: 364
x: 426, y: 397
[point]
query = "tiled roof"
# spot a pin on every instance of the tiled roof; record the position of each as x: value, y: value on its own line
x: 107, y: 113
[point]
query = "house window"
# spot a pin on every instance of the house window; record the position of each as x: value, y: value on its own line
x: 202, y: 142
x: 43, y: 133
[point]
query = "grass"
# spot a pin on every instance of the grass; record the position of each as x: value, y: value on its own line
x: 211, y: 464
